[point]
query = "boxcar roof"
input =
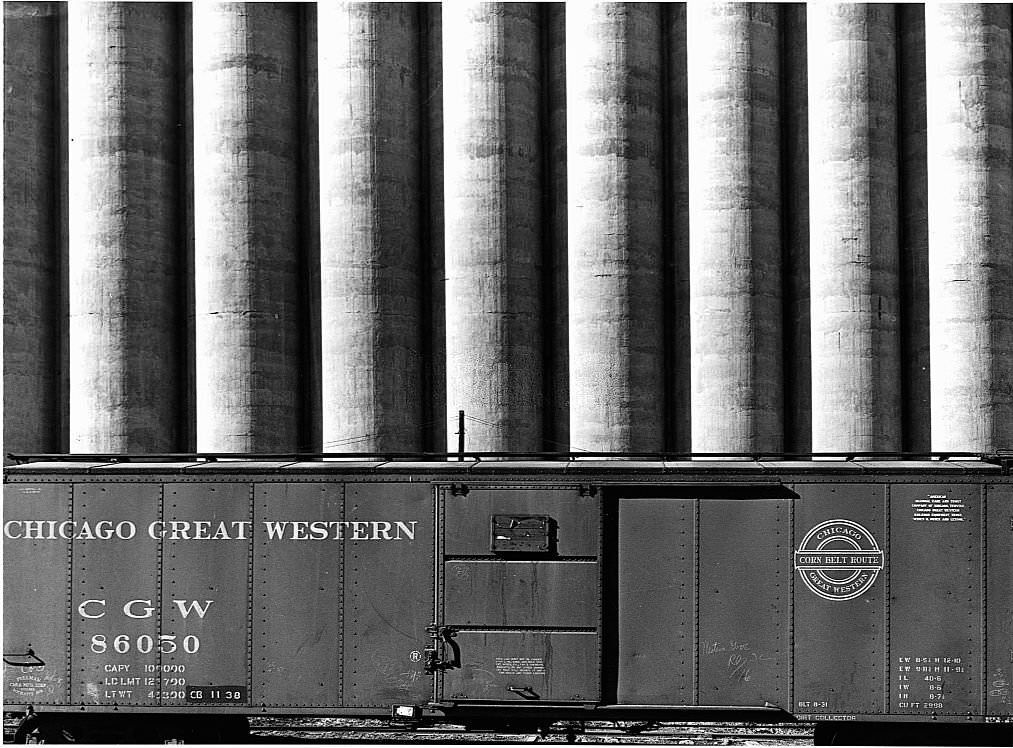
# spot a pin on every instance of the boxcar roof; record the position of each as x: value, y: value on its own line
x: 193, y: 465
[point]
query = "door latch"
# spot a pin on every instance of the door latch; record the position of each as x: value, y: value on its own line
x: 442, y: 636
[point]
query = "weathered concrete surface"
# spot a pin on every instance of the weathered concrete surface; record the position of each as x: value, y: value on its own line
x: 970, y: 225
x: 247, y: 238
x: 31, y: 238
x: 614, y: 189
x: 914, y: 228
x: 735, y: 227
x: 493, y: 191
x: 123, y: 227
x: 853, y: 219
x: 795, y: 212
x: 370, y: 202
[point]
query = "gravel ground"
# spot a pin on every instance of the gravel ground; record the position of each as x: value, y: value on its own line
x: 331, y: 730
x: 325, y: 730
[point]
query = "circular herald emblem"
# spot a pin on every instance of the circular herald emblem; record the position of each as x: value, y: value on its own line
x: 839, y: 560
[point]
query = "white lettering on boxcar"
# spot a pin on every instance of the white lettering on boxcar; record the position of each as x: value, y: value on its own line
x: 339, y: 530
x: 198, y: 529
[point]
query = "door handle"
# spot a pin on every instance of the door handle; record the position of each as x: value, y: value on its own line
x: 525, y: 692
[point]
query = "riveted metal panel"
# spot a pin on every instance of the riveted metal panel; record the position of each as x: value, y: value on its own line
x: 115, y: 597
x: 297, y: 594
x: 656, y: 567
x: 388, y: 598
x: 936, y: 593
x: 840, y: 637
x: 524, y: 667
x: 36, y: 594
x: 560, y: 594
x: 744, y: 599
x: 468, y: 517
x: 999, y: 675
x: 206, y: 601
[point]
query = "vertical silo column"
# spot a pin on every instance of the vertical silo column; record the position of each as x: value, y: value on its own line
x: 247, y: 188
x: 31, y: 236
x: 615, y: 203
x: 371, y: 277
x: 435, y: 319
x: 557, y: 426
x: 970, y: 225
x: 735, y: 227
x: 677, y: 190
x: 795, y: 212
x: 311, y: 339
x: 914, y: 227
x: 493, y: 193
x: 123, y: 227
x: 853, y: 218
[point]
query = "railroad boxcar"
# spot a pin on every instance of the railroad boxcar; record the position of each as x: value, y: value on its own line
x: 512, y: 592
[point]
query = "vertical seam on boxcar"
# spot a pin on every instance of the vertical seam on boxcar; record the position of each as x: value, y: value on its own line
x: 886, y: 497
x: 791, y: 602
x: 435, y: 589
x: 439, y: 548
x: 601, y: 592
x: 250, y: 560
x: 696, y: 602
x: 69, y: 698
x: 262, y: 667
x: 983, y: 612
x: 341, y: 600
x: 159, y: 577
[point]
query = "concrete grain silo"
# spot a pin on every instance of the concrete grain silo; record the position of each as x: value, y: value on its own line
x: 707, y: 227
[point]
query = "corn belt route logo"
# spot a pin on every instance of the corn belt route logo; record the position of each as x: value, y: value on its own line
x: 839, y: 560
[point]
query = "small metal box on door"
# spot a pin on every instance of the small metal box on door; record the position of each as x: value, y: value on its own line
x: 521, y: 533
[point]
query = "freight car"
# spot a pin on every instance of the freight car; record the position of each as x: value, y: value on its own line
x: 197, y: 591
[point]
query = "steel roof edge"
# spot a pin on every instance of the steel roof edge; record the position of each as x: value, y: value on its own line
x: 55, y: 467
x: 490, y: 467
x: 237, y: 466
x: 121, y: 468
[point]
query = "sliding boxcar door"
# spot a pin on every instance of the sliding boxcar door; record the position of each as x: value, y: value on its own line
x: 521, y: 594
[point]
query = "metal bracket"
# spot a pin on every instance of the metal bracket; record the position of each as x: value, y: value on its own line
x: 587, y: 489
x: 458, y: 489
x: 36, y: 660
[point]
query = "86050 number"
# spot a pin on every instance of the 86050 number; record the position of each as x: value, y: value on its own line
x: 144, y: 644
